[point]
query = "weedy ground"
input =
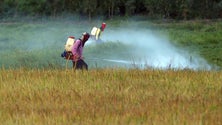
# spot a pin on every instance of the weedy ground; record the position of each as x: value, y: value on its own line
x: 43, y: 93
x: 110, y: 96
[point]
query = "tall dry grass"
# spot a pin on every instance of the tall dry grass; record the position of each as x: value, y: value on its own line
x: 111, y: 97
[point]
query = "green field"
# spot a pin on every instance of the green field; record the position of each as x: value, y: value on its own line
x: 39, y: 44
x: 202, y: 37
x: 37, y: 88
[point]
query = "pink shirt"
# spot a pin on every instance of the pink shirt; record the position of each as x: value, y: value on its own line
x: 77, y: 50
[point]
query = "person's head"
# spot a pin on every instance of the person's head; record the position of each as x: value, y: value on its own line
x: 85, y: 36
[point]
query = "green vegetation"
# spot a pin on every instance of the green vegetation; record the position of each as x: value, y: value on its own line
x: 39, y: 44
x: 201, y: 37
x: 35, y: 88
x: 173, y: 9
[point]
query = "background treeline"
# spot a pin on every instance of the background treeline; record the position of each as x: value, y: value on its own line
x: 171, y: 9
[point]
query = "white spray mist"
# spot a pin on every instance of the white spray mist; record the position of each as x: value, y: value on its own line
x: 150, y: 48
x: 154, y: 50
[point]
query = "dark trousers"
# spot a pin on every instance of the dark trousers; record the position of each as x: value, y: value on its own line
x: 80, y: 64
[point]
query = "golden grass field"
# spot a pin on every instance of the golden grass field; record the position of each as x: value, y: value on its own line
x: 110, y: 97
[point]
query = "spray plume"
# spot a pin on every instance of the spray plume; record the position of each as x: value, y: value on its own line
x: 151, y: 49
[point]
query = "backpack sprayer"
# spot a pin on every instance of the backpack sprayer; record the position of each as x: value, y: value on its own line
x: 96, y: 32
x: 67, y: 53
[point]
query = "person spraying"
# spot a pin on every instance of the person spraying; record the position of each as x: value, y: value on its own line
x: 74, y: 49
x: 77, y: 52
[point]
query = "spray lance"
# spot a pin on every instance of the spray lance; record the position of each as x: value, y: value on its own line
x: 112, y: 60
